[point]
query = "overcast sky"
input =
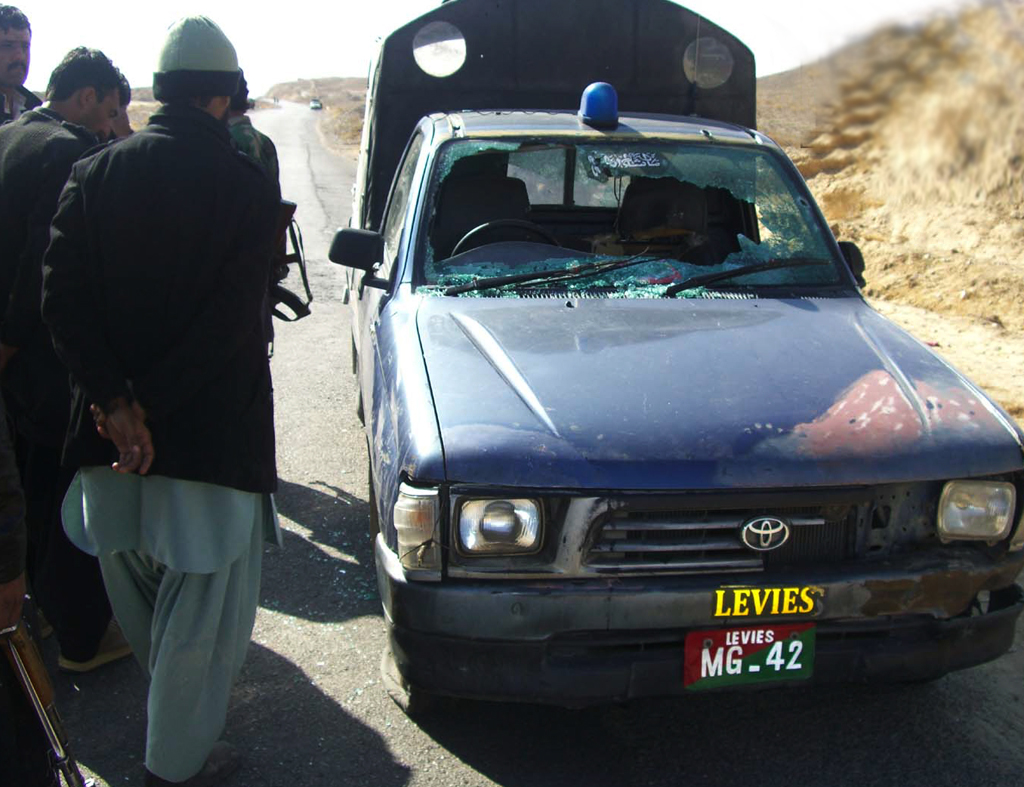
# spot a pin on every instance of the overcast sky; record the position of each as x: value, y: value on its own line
x: 296, y: 39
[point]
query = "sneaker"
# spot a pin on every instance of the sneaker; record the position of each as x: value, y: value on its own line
x: 224, y: 760
x: 112, y: 647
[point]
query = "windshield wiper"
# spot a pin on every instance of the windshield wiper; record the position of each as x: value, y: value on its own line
x: 553, y: 274
x: 709, y: 278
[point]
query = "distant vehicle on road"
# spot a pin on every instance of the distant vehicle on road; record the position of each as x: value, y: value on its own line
x: 633, y: 429
x: 315, y: 104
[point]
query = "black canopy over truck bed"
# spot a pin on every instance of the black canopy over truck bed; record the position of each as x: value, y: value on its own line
x: 541, y: 54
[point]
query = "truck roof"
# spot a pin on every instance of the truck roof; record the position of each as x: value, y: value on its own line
x: 525, y: 123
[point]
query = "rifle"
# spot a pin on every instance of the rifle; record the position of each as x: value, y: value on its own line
x: 35, y: 681
x: 288, y: 230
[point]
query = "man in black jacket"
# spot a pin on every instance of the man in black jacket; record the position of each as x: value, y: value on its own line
x: 15, y: 45
x: 25, y: 754
x: 36, y: 154
x: 154, y: 288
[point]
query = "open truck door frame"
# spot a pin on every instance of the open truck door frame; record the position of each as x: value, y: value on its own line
x: 537, y: 54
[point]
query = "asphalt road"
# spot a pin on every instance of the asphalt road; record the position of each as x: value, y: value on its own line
x: 310, y: 709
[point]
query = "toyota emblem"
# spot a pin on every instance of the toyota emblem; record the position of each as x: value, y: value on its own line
x: 764, y: 533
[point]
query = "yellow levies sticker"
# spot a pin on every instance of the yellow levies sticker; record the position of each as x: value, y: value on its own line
x: 752, y: 602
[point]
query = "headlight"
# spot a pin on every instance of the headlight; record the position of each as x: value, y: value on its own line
x: 976, y: 510
x: 416, y: 522
x: 499, y: 527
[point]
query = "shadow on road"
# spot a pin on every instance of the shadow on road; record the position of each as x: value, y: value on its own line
x: 294, y: 734
x: 332, y: 515
x: 821, y: 737
x: 327, y: 576
x: 289, y: 732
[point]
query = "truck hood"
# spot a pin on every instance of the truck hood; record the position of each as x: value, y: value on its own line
x: 698, y: 394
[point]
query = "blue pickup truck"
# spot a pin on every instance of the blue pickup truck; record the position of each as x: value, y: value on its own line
x: 632, y: 428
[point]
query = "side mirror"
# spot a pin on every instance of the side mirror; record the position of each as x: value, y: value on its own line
x: 854, y: 259
x: 360, y: 249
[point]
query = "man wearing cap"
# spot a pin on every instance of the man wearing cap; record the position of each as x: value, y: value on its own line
x: 154, y: 285
x: 15, y: 44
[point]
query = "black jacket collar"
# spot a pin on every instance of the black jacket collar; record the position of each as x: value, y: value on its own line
x: 31, y: 99
x: 52, y: 115
x: 178, y: 116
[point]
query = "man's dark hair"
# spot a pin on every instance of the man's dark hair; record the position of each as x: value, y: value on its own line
x: 83, y: 67
x: 125, y: 90
x: 11, y: 17
x: 240, y: 101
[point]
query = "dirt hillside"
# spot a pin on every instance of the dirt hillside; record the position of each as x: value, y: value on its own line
x: 913, y: 144
x: 918, y: 156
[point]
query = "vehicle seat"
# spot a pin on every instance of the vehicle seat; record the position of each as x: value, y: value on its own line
x: 665, y: 216
x: 467, y: 202
x: 653, y: 207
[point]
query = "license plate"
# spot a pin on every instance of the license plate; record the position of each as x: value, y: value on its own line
x: 741, y: 656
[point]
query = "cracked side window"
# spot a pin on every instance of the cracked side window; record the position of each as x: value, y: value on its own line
x: 394, y: 218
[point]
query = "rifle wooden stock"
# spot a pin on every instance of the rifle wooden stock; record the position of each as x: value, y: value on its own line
x: 287, y: 230
x: 33, y: 662
x: 28, y: 667
x: 285, y: 214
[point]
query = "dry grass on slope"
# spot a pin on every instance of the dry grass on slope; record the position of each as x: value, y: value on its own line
x: 920, y: 158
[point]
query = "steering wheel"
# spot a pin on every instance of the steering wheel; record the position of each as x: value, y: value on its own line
x: 498, y: 224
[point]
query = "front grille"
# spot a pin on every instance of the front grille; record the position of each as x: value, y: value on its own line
x: 705, y: 541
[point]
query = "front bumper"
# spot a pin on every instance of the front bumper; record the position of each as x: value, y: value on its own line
x: 578, y: 642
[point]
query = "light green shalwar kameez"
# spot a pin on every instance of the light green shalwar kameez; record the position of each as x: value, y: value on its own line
x: 181, y: 562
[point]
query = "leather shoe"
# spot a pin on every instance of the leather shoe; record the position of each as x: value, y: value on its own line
x: 112, y: 647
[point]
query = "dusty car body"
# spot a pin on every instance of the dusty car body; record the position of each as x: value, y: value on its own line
x: 632, y: 428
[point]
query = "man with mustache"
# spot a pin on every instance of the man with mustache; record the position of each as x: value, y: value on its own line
x: 15, y: 42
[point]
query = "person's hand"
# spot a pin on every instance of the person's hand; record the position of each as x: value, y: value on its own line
x: 6, y: 353
x: 12, y: 595
x: 124, y: 424
x: 100, y: 419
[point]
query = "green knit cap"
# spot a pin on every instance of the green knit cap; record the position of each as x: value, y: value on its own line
x: 196, y: 60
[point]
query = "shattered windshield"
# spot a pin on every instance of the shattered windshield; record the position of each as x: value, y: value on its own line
x: 621, y: 219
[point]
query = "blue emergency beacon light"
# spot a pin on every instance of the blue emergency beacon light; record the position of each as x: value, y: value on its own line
x: 599, y: 106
